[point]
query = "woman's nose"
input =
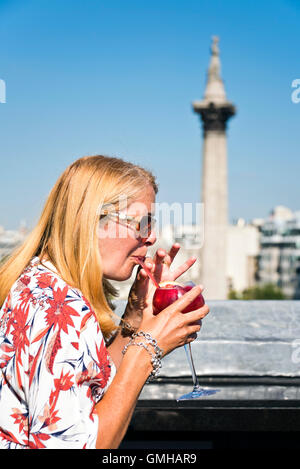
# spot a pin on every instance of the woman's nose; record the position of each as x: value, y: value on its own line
x: 151, y: 238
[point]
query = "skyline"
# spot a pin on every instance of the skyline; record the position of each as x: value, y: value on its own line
x: 101, y: 77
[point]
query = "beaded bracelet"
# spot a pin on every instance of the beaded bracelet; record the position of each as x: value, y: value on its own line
x: 155, y: 358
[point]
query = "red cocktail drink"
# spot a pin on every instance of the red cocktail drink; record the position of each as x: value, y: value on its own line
x: 168, y: 292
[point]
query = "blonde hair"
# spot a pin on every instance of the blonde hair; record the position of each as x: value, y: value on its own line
x: 66, y: 230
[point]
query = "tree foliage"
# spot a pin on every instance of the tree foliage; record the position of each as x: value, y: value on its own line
x: 268, y: 291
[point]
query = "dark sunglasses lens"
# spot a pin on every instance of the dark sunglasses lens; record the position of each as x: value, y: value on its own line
x: 146, y: 225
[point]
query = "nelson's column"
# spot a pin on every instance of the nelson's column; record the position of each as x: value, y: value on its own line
x: 214, y: 111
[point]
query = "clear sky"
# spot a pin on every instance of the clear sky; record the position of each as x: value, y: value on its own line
x: 119, y: 77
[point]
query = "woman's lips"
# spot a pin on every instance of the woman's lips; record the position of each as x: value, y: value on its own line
x: 139, y: 258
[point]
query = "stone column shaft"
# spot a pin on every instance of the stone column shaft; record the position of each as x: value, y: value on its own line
x: 215, y: 200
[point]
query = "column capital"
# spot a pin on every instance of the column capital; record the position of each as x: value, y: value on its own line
x: 214, y: 116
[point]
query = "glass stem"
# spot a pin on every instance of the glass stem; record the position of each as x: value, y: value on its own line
x: 188, y: 351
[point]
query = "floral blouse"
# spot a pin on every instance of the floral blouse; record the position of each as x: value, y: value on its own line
x: 54, y: 365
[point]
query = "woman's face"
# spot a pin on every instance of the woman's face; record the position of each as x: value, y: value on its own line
x: 119, y: 243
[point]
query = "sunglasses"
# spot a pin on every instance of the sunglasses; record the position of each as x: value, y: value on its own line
x: 143, y: 226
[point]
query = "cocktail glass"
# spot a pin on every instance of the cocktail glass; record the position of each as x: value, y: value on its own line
x: 166, y: 294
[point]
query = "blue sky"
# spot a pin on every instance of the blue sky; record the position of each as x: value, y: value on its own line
x: 119, y: 77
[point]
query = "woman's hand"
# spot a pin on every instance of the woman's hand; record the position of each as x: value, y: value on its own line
x: 142, y: 290
x: 141, y: 296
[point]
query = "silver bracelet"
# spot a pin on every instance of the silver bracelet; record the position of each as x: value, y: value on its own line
x: 155, y: 358
x: 158, y: 351
x: 155, y: 361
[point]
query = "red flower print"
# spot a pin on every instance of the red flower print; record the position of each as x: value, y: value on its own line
x: 89, y: 377
x: 4, y: 358
x: 19, y: 336
x: 20, y: 419
x: 64, y: 383
x: 86, y: 375
x: 44, y: 280
x: 60, y: 312
x: 49, y: 418
x: 6, y: 435
x: 37, y: 440
x: 25, y: 279
x: 25, y: 296
x: 53, y: 347
x: 7, y: 304
x: 103, y: 364
x: 32, y: 364
x: 92, y: 376
x: 19, y: 333
x: 85, y: 320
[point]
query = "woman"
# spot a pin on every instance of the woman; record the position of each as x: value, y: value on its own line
x: 70, y: 377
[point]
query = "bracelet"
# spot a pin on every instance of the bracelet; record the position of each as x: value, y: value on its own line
x: 155, y: 361
x: 155, y: 358
x: 158, y: 351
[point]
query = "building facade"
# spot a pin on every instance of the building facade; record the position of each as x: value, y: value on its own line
x: 242, y: 254
x: 279, y: 257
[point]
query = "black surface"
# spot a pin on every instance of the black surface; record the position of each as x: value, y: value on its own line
x: 213, y: 424
x: 226, y: 380
x: 217, y: 416
x: 211, y: 441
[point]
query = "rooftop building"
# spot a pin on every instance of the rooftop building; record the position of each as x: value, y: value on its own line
x: 279, y: 258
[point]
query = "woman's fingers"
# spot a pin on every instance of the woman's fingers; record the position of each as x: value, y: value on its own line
x: 183, y: 267
x: 159, y: 263
x: 171, y: 254
x: 197, y: 315
x: 142, y: 272
x: 165, y: 258
x: 193, y: 329
x: 159, y: 256
x: 186, y: 299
